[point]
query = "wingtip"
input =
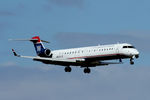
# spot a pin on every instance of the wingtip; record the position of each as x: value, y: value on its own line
x: 15, y: 54
x: 13, y: 50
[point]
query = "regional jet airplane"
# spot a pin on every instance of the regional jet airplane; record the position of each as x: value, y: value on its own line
x: 85, y: 57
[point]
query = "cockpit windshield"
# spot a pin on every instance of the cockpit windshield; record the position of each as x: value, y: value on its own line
x: 128, y: 47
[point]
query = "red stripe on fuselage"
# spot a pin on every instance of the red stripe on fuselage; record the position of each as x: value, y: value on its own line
x: 95, y: 56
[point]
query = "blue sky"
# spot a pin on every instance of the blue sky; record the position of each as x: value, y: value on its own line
x: 67, y: 24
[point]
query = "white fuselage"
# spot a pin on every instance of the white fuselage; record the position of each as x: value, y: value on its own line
x: 95, y: 52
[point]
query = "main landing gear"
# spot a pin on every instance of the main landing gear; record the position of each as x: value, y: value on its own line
x: 87, y: 70
x: 67, y: 69
x: 120, y: 60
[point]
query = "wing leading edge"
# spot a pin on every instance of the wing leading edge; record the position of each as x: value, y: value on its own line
x: 50, y: 60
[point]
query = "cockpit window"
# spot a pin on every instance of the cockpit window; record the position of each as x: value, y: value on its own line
x: 125, y: 46
x: 128, y: 47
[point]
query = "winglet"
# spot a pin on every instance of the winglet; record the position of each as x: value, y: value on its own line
x: 15, y: 54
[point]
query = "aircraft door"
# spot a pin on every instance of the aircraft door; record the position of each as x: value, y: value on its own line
x: 117, y: 49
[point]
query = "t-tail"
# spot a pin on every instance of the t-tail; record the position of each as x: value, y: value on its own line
x: 39, y: 47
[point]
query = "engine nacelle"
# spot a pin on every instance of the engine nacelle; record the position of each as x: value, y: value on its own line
x: 47, y: 52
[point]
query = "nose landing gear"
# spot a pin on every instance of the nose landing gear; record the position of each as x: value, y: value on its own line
x: 131, y: 61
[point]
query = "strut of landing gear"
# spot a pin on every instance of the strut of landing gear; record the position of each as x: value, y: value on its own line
x: 131, y: 61
x: 120, y: 60
x: 67, y: 69
x: 87, y: 70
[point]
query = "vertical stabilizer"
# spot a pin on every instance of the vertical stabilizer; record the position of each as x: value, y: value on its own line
x: 39, y: 47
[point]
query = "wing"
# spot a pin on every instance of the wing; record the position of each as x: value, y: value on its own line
x: 46, y: 60
x: 67, y: 62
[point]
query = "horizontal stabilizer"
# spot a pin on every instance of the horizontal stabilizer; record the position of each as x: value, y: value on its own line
x: 32, y: 40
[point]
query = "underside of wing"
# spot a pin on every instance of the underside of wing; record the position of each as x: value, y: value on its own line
x: 63, y: 62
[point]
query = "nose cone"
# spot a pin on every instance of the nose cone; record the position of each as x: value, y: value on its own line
x: 136, y: 53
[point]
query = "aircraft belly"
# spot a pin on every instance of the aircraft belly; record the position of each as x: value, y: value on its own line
x: 89, y: 61
x: 108, y: 57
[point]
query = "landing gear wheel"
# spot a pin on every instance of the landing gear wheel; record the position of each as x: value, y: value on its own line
x: 131, y: 62
x: 67, y: 69
x: 87, y: 70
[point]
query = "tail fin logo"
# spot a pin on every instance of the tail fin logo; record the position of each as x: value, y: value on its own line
x: 39, y: 48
